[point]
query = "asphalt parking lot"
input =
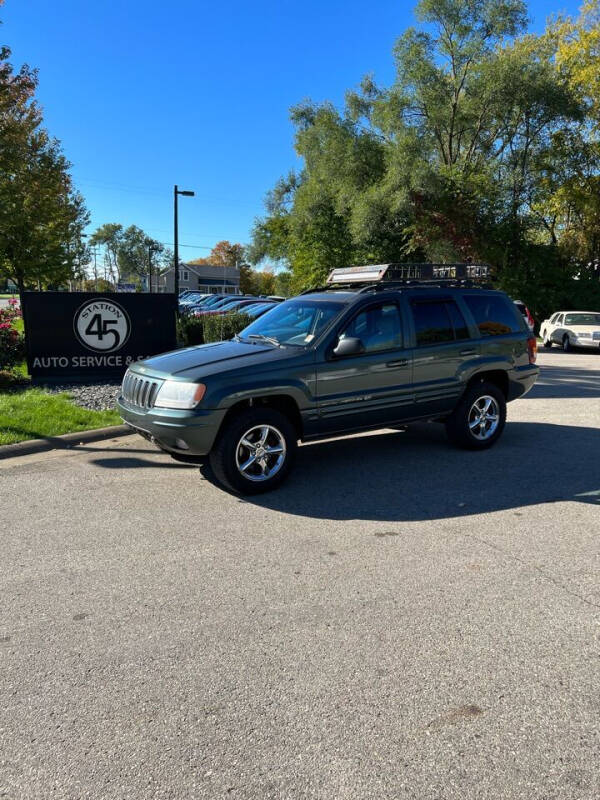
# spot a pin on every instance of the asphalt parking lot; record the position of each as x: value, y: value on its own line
x: 400, y: 620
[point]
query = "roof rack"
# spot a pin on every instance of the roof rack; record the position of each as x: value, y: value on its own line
x: 407, y: 272
x: 379, y: 277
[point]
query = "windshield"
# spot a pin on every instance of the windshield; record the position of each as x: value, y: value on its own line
x: 582, y: 319
x: 295, y: 322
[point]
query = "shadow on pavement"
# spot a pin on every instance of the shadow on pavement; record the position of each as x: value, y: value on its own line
x: 417, y: 475
x: 565, y: 382
x: 127, y: 462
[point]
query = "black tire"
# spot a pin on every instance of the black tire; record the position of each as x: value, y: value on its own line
x: 223, y: 461
x: 458, y: 423
x: 566, y: 345
x: 547, y: 343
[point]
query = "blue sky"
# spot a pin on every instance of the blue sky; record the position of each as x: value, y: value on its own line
x: 145, y: 94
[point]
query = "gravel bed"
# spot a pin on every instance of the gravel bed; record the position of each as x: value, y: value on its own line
x: 95, y: 396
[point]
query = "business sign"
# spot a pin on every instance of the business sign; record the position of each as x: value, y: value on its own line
x: 75, y: 334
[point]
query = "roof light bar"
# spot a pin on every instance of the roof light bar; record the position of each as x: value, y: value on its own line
x: 378, y: 273
x: 368, y: 274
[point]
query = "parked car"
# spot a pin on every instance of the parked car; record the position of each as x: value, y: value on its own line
x: 257, y: 309
x: 207, y: 302
x: 347, y: 358
x: 237, y: 306
x: 191, y: 297
x: 526, y: 314
x: 221, y: 305
x: 572, y: 329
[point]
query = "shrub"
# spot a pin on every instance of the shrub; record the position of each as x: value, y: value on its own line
x: 218, y: 328
x: 12, y: 349
x: 190, y: 331
x: 193, y: 330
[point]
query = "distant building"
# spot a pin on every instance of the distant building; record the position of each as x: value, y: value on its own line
x: 206, y: 278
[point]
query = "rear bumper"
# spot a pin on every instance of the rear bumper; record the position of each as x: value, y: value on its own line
x: 190, y: 433
x: 520, y: 380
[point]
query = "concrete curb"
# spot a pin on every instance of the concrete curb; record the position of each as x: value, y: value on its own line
x: 64, y: 442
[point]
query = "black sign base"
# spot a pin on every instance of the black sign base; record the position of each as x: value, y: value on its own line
x: 86, y: 336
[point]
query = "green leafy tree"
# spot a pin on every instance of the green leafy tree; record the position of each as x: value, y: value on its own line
x: 128, y: 252
x: 447, y: 164
x: 247, y: 280
x: 109, y: 237
x: 283, y: 283
x: 135, y: 252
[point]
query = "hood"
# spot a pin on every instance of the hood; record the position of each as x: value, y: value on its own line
x: 195, y: 362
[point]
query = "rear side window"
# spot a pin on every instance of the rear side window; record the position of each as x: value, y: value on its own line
x: 493, y: 314
x: 439, y: 321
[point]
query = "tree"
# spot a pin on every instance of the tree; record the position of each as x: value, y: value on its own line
x: 41, y: 214
x: 128, y: 252
x: 136, y: 252
x: 98, y: 285
x: 447, y: 164
x: 247, y: 280
x: 265, y: 281
x: 283, y: 283
x: 570, y: 202
x: 109, y: 236
x: 223, y: 254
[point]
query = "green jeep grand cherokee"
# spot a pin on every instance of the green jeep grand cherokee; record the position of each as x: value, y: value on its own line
x: 365, y: 352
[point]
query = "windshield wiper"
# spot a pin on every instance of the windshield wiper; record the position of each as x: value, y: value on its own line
x: 263, y: 338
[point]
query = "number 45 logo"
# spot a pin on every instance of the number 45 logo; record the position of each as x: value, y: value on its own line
x: 102, y: 325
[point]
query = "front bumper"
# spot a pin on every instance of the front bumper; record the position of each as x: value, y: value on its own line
x: 178, y: 431
x: 591, y: 344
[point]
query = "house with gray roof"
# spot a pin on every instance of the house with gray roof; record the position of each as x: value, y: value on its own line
x: 207, y: 278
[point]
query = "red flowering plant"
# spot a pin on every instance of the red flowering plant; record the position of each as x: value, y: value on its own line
x: 11, y: 341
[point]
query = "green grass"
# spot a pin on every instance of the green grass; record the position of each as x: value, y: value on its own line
x: 36, y: 414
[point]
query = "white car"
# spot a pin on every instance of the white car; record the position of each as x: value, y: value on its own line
x: 572, y: 329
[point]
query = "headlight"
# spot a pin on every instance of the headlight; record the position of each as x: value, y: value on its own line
x: 177, y: 394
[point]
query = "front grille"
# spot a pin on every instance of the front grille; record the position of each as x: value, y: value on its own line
x: 139, y: 391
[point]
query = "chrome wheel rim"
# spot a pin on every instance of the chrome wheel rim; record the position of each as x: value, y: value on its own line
x: 260, y: 453
x: 484, y: 417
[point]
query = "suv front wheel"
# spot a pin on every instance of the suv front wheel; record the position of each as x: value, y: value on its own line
x: 478, y: 420
x: 254, y: 451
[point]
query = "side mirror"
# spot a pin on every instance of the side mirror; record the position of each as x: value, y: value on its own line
x: 348, y: 347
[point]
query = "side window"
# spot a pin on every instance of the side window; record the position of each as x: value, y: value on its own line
x: 378, y: 328
x: 432, y: 322
x: 458, y: 321
x: 553, y: 320
x: 559, y: 319
x: 493, y: 314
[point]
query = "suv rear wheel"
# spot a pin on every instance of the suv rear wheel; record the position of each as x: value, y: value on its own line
x: 255, y: 451
x: 478, y: 420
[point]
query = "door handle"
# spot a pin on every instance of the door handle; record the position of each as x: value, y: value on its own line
x: 401, y: 362
x: 468, y: 352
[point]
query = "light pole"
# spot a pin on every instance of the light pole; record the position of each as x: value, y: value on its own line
x: 176, y: 192
x: 151, y: 249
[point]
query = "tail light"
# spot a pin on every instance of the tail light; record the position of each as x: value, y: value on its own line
x: 532, y: 349
x: 530, y: 318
